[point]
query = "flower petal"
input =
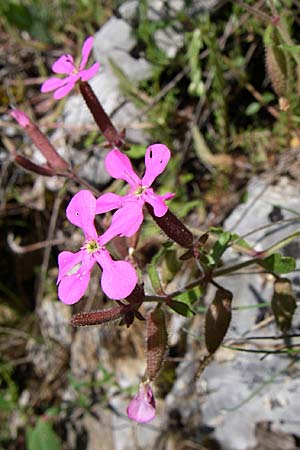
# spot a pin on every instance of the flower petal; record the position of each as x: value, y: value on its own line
x: 66, y: 262
x: 53, y: 83
x: 107, y: 202
x: 119, y: 166
x: 142, y: 406
x: 64, y: 64
x: 156, y: 158
x: 125, y: 222
x: 86, y: 50
x: 81, y: 212
x: 63, y: 91
x: 157, y: 201
x: 89, y: 73
x: 118, y: 277
x: 22, y: 118
x: 72, y: 287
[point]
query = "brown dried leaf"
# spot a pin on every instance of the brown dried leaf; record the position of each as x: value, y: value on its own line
x: 217, y: 319
x: 157, y: 340
x: 283, y: 304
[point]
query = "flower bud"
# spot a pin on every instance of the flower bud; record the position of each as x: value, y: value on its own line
x: 101, y: 118
x: 98, y: 317
x: 142, y: 406
x: 173, y: 228
x: 40, y: 141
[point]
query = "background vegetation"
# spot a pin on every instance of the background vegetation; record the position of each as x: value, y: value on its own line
x: 227, y: 104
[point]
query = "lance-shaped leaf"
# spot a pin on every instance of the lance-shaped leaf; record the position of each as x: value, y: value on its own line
x: 181, y: 308
x: 157, y: 341
x: 283, y: 304
x: 155, y: 280
x: 217, y: 319
x: 220, y: 246
x: 278, y: 263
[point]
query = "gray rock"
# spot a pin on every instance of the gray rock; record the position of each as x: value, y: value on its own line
x: 239, y: 390
x: 54, y: 319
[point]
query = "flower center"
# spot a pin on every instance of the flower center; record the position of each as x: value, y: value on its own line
x: 91, y: 246
x: 140, y: 190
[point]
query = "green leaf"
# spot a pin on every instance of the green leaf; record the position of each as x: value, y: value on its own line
x: 268, y: 97
x: 278, y: 263
x: 152, y: 271
x: 136, y: 151
x: 220, y: 246
x: 181, y: 308
x: 189, y: 297
x: 241, y: 242
x: 42, y: 437
x: 290, y: 48
x: 252, y: 108
x: 154, y: 278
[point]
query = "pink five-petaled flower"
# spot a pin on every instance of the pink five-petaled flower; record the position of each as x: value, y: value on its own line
x: 142, y: 406
x: 118, y: 277
x: 128, y: 218
x: 65, y: 65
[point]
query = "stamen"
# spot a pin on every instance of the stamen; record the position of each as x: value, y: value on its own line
x: 91, y: 246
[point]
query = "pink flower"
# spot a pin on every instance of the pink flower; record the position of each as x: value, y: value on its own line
x: 65, y: 65
x: 129, y: 217
x: 142, y: 406
x: 118, y: 277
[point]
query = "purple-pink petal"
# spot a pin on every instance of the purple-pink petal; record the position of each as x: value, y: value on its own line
x: 118, y: 277
x: 86, y: 50
x: 156, y: 158
x: 22, y: 118
x: 142, y: 406
x: 168, y: 196
x: 53, y: 83
x: 66, y: 262
x: 125, y: 222
x: 107, y: 202
x: 86, y: 74
x: 64, y: 64
x: 156, y: 201
x: 64, y: 90
x: 72, y: 287
x: 119, y: 166
x: 81, y: 212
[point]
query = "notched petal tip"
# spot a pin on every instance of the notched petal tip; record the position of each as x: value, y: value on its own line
x: 72, y: 287
x: 81, y: 212
x: 119, y: 166
x: 64, y: 65
x: 156, y: 158
x: 119, y: 278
